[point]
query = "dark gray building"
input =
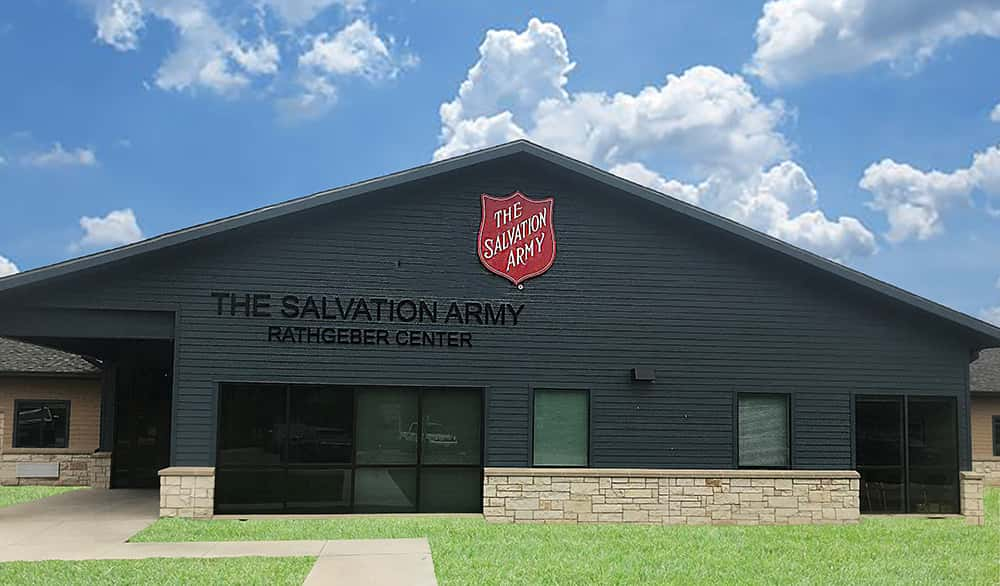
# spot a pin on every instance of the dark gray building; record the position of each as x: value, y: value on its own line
x: 387, y: 345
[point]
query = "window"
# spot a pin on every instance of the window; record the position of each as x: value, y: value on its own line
x: 41, y: 424
x: 561, y: 428
x: 762, y: 427
x: 996, y: 435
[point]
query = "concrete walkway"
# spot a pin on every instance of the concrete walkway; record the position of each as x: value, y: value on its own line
x: 95, y: 524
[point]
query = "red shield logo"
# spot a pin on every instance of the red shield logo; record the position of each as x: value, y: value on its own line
x: 516, y: 239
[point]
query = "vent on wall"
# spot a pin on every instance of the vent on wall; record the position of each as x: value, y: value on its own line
x: 644, y: 375
x: 37, y: 470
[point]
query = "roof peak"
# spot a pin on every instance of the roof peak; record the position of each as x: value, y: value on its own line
x: 987, y: 334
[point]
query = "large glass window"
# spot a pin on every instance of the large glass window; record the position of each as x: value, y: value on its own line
x: 387, y: 426
x: 763, y: 430
x: 329, y: 449
x: 561, y: 433
x: 41, y: 424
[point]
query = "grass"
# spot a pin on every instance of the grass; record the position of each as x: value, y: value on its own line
x: 12, y: 495
x: 470, y: 551
x: 160, y: 571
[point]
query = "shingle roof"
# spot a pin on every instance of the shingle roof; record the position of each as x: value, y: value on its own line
x: 984, y: 373
x: 18, y: 356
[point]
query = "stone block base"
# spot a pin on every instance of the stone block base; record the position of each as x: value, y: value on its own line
x: 187, y: 491
x: 671, y: 497
x: 971, y: 490
x: 990, y: 469
x: 92, y: 469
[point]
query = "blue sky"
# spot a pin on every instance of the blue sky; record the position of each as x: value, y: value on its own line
x: 863, y: 131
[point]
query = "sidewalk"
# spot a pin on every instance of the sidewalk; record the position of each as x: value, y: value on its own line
x: 95, y: 524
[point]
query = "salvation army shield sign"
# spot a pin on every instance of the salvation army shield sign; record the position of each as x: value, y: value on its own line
x: 516, y: 238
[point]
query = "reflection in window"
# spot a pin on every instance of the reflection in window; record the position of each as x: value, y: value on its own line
x: 561, y: 428
x: 763, y: 431
x: 41, y: 424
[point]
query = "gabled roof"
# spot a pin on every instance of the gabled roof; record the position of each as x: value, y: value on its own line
x: 988, y: 334
x: 984, y: 373
x: 23, y: 358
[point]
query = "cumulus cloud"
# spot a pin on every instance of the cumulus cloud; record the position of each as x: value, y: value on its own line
x: 115, y: 229
x: 7, y: 267
x: 216, y: 49
x: 356, y: 50
x: 704, y: 123
x: 798, y: 39
x: 57, y: 156
x: 119, y: 23
x: 992, y: 314
x: 914, y: 201
x: 299, y: 12
x: 995, y: 113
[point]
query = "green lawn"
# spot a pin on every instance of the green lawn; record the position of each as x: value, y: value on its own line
x: 12, y: 495
x: 243, y: 571
x: 470, y: 551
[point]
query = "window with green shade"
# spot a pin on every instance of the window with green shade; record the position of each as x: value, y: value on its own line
x: 561, y: 428
x: 763, y: 431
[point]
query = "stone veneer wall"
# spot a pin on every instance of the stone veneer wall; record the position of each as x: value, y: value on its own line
x: 93, y: 469
x: 971, y: 489
x: 683, y: 497
x: 990, y: 469
x: 187, y: 492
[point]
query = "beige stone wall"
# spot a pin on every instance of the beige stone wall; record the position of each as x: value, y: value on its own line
x: 92, y: 470
x: 683, y: 497
x: 990, y: 469
x: 971, y: 496
x: 187, y: 492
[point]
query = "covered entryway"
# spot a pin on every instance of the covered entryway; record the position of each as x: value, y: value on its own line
x: 337, y: 449
x: 907, y: 454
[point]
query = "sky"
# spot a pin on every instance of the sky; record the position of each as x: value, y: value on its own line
x: 867, y: 132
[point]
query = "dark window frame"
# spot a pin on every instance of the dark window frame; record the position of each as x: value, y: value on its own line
x: 16, y: 422
x: 531, y: 423
x: 788, y: 427
x: 996, y: 436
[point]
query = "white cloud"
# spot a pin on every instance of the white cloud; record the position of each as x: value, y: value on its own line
x: 214, y: 50
x: 7, y: 267
x: 354, y: 51
x: 704, y: 123
x: 991, y: 314
x: 57, y: 156
x: 117, y: 228
x: 299, y: 12
x: 914, y: 200
x: 995, y: 113
x: 119, y: 23
x: 798, y: 39
x: 209, y: 54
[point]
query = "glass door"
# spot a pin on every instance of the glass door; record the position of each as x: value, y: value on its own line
x: 932, y: 440
x: 907, y: 454
x: 880, y: 459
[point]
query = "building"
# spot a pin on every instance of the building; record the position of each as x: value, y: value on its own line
x: 518, y: 333
x: 984, y: 383
x: 50, y: 406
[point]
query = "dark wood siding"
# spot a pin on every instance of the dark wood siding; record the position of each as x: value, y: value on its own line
x: 633, y: 285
